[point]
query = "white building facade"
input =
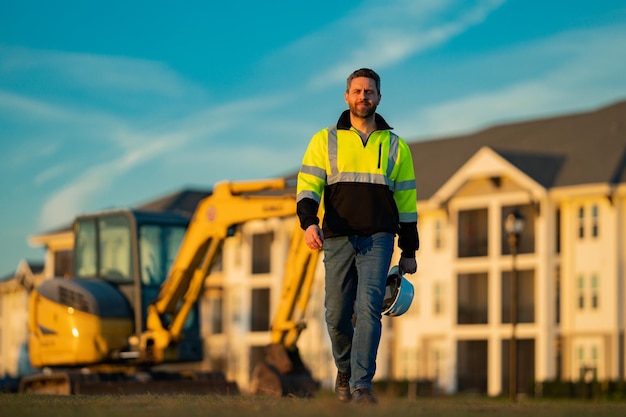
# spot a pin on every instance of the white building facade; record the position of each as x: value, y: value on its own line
x: 567, y: 177
x: 570, y: 284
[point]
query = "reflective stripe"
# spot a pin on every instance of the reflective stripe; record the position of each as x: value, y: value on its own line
x: 308, y: 194
x: 405, y: 185
x: 312, y: 170
x: 407, y: 217
x: 358, y: 177
x: 393, y: 153
x: 332, y: 149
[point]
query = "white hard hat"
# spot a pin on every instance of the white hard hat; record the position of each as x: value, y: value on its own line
x: 398, y: 294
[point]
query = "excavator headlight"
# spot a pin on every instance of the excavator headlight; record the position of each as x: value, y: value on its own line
x: 398, y: 294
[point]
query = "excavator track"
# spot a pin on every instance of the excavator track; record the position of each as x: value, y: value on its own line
x: 68, y: 383
x: 53, y: 384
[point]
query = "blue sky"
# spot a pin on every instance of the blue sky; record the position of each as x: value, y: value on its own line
x: 111, y: 104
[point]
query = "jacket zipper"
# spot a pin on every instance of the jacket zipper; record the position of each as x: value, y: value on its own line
x: 380, y: 151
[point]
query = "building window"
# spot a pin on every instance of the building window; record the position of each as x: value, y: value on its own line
x: 557, y: 295
x: 594, y: 220
x: 558, y: 231
x: 438, y: 306
x: 261, y: 252
x: 438, y: 233
x: 525, y: 369
x: 260, y: 310
x: 473, y: 233
x: 588, y: 368
x: 215, y: 301
x: 581, y: 293
x: 63, y: 263
x: 581, y: 222
x: 594, y: 292
x: 525, y: 293
x: 472, y: 296
x: 472, y: 358
x: 218, y: 260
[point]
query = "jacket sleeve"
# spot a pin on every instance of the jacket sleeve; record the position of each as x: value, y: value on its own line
x: 312, y: 179
x: 307, y: 212
x: 408, y: 239
x: 405, y: 196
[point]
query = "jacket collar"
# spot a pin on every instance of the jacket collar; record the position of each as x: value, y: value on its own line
x: 344, y: 122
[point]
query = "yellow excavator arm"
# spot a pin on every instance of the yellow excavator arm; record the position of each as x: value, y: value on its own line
x: 299, y: 275
x: 231, y: 203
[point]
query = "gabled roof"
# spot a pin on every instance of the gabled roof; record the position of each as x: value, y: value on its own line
x: 543, y: 168
x: 36, y: 267
x: 584, y: 148
x: 487, y: 163
x: 183, y: 202
x: 32, y: 267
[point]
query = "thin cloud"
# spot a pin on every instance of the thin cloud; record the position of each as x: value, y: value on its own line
x: 570, y: 84
x: 93, y: 72
x: 65, y: 203
x: 49, y: 174
x: 27, y: 153
x: 53, y: 121
x: 475, y: 111
x: 215, y: 119
x: 74, y: 197
x: 21, y: 106
x: 390, y: 44
x: 136, y: 147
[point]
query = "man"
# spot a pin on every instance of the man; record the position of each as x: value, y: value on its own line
x: 365, y: 174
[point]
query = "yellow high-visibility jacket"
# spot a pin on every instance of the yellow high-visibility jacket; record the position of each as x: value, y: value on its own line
x: 367, y: 188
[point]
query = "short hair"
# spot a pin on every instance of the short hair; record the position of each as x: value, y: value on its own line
x: 364, y: 72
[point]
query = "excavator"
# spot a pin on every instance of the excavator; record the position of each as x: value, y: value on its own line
x: 132, y: 305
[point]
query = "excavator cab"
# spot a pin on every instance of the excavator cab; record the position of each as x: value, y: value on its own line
x: 121, y: 259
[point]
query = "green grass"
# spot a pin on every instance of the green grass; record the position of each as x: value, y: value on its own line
x: 22, y: 405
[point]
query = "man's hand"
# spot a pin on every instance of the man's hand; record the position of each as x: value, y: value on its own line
x: 408, y: 265
x: 313, y: 237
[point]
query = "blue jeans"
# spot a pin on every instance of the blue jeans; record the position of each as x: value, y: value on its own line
x: 356, y: 277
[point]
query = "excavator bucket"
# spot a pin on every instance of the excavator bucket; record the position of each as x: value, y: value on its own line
x: 282, y: 374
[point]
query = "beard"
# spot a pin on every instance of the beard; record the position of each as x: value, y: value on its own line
x: 363, y: 110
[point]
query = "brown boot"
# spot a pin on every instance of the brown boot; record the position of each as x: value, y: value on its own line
x: 342, y: 387
x: 364, y: 396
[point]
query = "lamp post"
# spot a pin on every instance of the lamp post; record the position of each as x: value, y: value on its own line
x: 513, y: 225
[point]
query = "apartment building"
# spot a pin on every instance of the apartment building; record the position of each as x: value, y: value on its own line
x: 566, y: 176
